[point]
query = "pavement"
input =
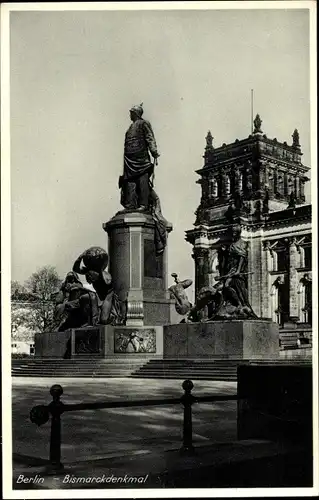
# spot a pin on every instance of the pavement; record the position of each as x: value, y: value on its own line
x: 111, y: 448
x: 101, y: 433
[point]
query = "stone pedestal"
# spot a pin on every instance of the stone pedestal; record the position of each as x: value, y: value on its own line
x: 236, y: 339
x: 139, y: 276
x: 101, y: 342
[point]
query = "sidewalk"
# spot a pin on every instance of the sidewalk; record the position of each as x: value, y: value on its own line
x: 229, y: 465
x: 103, y: 447
x: 98, y: 433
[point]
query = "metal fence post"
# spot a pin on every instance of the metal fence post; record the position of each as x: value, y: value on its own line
x: 187, y: 400
x: 55, y: 408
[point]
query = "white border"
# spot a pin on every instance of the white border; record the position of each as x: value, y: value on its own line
x: 6, y: 8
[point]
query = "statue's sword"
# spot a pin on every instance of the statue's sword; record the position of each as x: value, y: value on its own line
x: 152, y: 177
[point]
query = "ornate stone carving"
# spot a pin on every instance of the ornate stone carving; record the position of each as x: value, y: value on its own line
x: 265, y: 203
x: 209, y: 141
x: 295, y: 139
x: 87, y: 341
x: 134, y: 310
x: 292, y: 200
x: 257, y: 125
x: 266, y: 245
x: 199, y: 253
x: 134, y: 341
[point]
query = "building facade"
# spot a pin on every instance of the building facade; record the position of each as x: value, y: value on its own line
x: 258, y: 183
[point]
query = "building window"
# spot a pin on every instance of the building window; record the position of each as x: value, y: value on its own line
x: 282, y: 261
x: 280, y: 185
x: 227, y: 185
x: 214, y: 188
x: 280, y: 300
x: 307, y: 257
x: 291, y: 185
x: 271, y: 182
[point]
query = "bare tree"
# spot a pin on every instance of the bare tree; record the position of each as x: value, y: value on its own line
x: 35, y: 296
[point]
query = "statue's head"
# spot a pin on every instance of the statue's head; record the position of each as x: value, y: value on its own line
x: 174, y: 275
x: 236, y: 231
x: 91, y: 276
x: 136, y: 112
x: 72, y: 277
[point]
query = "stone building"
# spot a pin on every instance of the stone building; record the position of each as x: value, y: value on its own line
x: 259, y: 183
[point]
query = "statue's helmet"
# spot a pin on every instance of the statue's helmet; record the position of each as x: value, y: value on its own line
x: 137, y: 110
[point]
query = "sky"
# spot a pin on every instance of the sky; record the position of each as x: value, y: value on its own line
x: 74, y: 76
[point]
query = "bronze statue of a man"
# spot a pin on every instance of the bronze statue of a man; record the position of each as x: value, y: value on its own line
x: 95, y: 260
x: 182, y: 304
x: 139, y: 145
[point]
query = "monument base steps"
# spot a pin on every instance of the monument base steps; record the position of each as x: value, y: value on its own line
x: 195, y: 369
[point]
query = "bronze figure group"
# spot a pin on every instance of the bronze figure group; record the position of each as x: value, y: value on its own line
x: 228, y: 298
x: 76, y: 305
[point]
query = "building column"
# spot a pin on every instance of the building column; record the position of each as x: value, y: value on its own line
x: 294, y: 259
x: 212, y: 265
x: 296, y: 187
x: 302, y: 189
x: 285, y: 190
x: 200, y: 256
x: 266, y: 267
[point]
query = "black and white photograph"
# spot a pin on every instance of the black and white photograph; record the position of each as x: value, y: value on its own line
x: 159, y: 201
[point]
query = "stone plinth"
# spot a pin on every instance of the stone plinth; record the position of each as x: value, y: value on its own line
x: 101, y: 341
x: 71, y: 343
x: 237, y: 339
x: 51, y: 344
x: 139, y: 276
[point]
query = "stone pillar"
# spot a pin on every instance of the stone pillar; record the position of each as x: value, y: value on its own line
x: 265, y: 288
x: 201, y: 258
x: 285, y: 190
x: 139, y: 276
x: 302, y: 189
x: 255, y: 270
x: 297, y: 190
x: 294, y: 259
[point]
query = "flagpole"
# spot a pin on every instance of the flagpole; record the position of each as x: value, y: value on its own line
x: 252, y: 110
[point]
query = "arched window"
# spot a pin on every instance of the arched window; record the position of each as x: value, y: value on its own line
x: 227, y: 185
x: 271, y: 185
x: 280, y: 184
x: 290, y: 185
x: 214, y: 187
x: 279, y: 301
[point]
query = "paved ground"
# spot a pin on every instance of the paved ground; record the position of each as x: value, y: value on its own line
x: 126, y: 442
x: 102, y: 433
